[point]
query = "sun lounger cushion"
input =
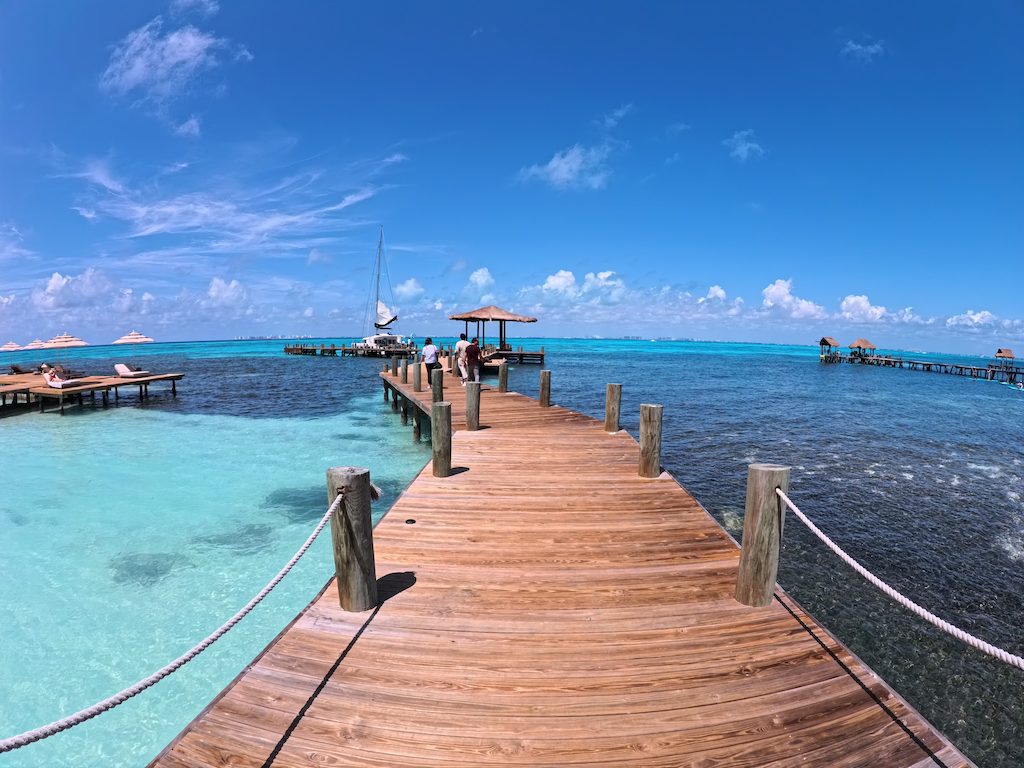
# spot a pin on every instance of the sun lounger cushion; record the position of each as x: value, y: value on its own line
x: 127, y: 373
x: 61, y: 384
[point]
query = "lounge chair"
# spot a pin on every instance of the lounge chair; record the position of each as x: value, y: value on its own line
x: 127, y: 373
x: 63, y: 383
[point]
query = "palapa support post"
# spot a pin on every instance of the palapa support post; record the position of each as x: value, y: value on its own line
x: 405, y: 371
x: 503, y: 376
x: 441, y: 438
x: 417, y: 377
x: 394, y: 365
x: 545, y: 389
x: 473, y: 406
x: 612, y: 407
x: 650, y: 440
x: 437, y: 385
x: 352, y: 537
x: 763, y: 517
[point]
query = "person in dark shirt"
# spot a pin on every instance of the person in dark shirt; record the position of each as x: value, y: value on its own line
x: 473, y: 360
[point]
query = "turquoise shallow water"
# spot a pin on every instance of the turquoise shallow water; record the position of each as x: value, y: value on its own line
x: 128, y: 534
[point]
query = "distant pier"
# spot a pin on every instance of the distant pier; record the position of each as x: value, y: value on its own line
x: 1003, y: 368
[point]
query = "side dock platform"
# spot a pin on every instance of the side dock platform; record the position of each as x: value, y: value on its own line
x: 546, y: 606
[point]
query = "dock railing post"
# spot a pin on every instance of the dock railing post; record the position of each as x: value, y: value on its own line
x: 352, y: 537
x: 472, y: 406
x: 763, y: 517
x: 441, y: 438
x: 650, y: 440
x: 405, y: 371
x: 451, y: 361
x: 503, y: 376
x: 417, y: 377
x: 545, y: 389
x: 612, y: 406
x: 394, y: 365
x: 437, y: 385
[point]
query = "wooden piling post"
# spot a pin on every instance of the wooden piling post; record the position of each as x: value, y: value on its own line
x: 417, y: 425
x: 405, y: 410
x: 437, y: 385
x: 650, y: 440
x: 503, y: 376
x: 451, y: 361
x: 441, y: 437
x: 763, y: 517
x: 394, y: 365
x: 612, y: 406
x: 352, y: 537
x: 405, y: 371
x: 545, y: 389
x: 472, y: 405
x: 417, y: 377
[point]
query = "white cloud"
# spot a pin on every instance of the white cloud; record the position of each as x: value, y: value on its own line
x: 316, y: 256
x: 308, y: 312
x: 859, y: 309
x: 715, y: 293
x: 68, y: 291
x: 615, y: 117
x: 907, y: 316
x: 864, y: 52
x: 12, y: 242
x: 563, y: 281
x: 85, y: 213
x: 778, y: 297
x: 676, y: 128
x: 481, y: 278
x: 408, y: 289
x: 439, y: 304
x: 972, y: 320
x: 189, y: 129
x: 742, y: 146
x: 204, y: 7
x: 98, y: 173
x: 575, y: 167
x: 157, y: 66
x: 392, y: 159
x: 222, y: 293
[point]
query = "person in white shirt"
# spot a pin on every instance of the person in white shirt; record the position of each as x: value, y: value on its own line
x: 430, y: 356
x: 460, y: 352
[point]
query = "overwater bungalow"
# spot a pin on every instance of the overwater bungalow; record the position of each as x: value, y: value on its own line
x: 491, y: 313
x: 862, y: 348
x: 829, y: 349
x: 1004, y: 358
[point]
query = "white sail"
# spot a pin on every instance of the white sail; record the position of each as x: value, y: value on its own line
x: 385, y: 316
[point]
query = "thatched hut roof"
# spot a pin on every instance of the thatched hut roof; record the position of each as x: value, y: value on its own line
x: 492, y: 313
x: 828, y: 341
x: 862, y: 344
x: 1005, y: 353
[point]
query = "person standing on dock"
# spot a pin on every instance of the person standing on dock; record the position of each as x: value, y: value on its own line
x: 473, y: 361
x: 430, y: 356
x: 460, y: 352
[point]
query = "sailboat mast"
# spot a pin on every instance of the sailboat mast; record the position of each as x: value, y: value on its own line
x: 380, y: 252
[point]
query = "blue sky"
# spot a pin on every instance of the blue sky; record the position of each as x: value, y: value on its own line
x: 739, y: 171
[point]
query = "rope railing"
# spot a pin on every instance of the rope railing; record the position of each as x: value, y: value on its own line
x: 37, y: 734
x: 906, y: 602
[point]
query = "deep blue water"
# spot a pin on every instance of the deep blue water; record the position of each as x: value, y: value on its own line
x: 920, y: 476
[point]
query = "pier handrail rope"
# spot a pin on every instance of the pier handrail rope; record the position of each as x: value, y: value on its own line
x: 906, y: 602
x: 38, y: 734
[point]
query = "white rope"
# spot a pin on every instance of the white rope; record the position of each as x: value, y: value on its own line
x: 37, y: 734
x: 931, y: 618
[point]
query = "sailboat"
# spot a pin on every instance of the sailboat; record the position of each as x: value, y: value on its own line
x: 385, y: 341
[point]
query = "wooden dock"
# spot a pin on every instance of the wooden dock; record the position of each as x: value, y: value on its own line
x: 33, y: 386
x: 544, y: 605
x: 1011, y: 374
x: 334, y: 350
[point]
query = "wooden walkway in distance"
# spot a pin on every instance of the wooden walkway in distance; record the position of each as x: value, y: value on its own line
x: 545, y: 606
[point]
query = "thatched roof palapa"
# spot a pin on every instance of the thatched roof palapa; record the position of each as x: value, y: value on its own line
x: 828, y: 341
x: 862, y: 344
x: 492, y: 313
x: 1004, y: 353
